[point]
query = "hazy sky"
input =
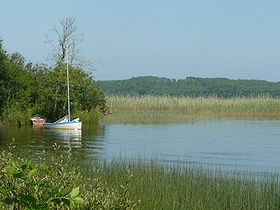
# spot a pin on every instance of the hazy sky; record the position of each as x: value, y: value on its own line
x: 169, y: 38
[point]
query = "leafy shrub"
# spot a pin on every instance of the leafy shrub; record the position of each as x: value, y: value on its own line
x: 54, y: 183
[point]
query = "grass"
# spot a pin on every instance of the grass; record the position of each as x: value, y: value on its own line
x: 12, y: 115
x: 159, y: 187
x: 88, y: 117
x: 142, y: 185
x: 123, y: 184
x: 165, y: 109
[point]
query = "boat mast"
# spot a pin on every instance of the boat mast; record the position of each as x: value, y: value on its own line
x: 68, y: 89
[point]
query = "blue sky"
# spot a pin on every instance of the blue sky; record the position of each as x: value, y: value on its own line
x: 238, y: 39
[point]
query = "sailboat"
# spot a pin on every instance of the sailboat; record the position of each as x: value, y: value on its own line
x: 66, y: 122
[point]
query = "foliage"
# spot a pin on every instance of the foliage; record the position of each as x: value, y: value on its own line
x: 33, y: 89
x: 24, y: 185
x: 15, y: 85
x: 54, y: 184
x: 191, y: 86
x: 52, y: 100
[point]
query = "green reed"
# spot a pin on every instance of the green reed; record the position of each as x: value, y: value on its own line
x: 55, y: 181
x: 165, y: 109
x: 161, y: 187
x: 12, y: 115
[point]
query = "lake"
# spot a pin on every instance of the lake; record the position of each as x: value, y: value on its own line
x: 238, y: 145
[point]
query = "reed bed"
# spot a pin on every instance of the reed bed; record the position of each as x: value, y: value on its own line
x: 165, y: 109
x: 160, y: 187
x: 127, y: 184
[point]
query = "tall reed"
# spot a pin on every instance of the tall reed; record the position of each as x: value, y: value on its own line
x: 12, y: 115
x: 159, y: 187
x: 165, y: 109
x: 123, y: 184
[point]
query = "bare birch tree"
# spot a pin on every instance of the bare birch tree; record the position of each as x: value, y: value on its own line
x: 66, y: 40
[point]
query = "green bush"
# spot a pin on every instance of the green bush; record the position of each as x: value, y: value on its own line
x: 54, y: 183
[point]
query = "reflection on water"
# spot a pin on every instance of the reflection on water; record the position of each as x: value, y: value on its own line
x: 69, y: 139
x: 246, y: 145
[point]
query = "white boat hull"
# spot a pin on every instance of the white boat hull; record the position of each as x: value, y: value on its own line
x: 69, y: 125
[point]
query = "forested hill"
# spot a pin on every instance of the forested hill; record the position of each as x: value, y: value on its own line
x: 191, y: 86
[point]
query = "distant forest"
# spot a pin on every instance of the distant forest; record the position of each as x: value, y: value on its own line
x: 190, y: 86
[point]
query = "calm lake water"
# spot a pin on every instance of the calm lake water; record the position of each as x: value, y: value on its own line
x: 243, y: 145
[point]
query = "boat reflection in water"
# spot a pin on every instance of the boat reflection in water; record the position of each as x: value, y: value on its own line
x: 66, y: 139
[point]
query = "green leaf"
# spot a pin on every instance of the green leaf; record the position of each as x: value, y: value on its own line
x: 11, y: 170
x: 26, y: 165
x: 65, y: 191
x: 56, y: 201
x: 3, y: 192
x: 72, y: 204
x: 23, y: 166
x: 14, y: 163
x: 55, y: 190
x: 75, y: 192
x: 8, y: 201
x: 45, y: 196
x: 19, y: 175
x: 14, y: 193
x: 78, y: 200
x: 66, y: 201
x: 32, y: 173
x: 43, y: 206
x: 28, y: 198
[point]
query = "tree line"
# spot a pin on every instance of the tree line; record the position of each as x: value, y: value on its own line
x: 30, y: 88
x: 191, y: 86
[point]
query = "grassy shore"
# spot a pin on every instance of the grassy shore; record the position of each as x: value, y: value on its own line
x: 164, y: 109
x: 158, y: 187
x: 58, y: 182
x: 55, y: 181
x: 12, y: 117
